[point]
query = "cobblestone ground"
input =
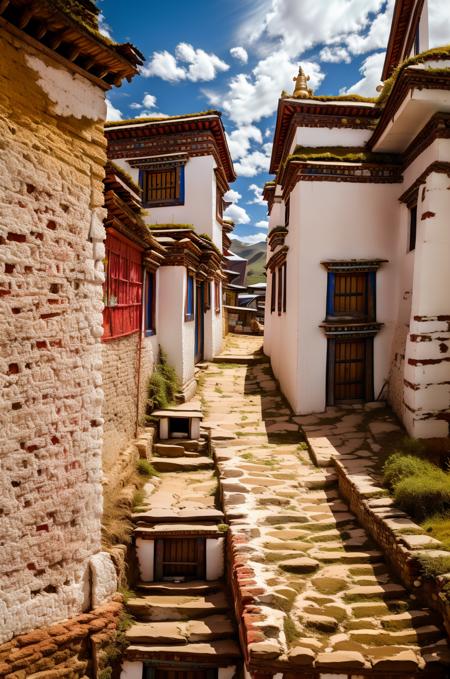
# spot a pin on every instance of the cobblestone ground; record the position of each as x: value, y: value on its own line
x: 318, y: 590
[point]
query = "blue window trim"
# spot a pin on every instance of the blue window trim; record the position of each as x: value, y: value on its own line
x: 150, y: 284
x: 190, y: 287
x: 371, y: 295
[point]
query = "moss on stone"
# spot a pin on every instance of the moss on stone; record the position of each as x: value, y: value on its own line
x: 341, y: 154
x: 153, y: 119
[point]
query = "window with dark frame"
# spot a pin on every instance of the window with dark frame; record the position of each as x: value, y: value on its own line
x: 163, y: 186
x: 273, y: 291
x: 280, y: 290
x: 217, y: 296
x: 207, y: 297
x: 351, y: 295
x: 412, y: 228
x: 190, y: 286
x: 284, y: 286
x: 150, y: 303
x: 287, y: 211
x: 122, y: 288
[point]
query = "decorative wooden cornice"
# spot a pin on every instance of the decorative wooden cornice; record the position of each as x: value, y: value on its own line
x: 313, y: 113
x: 404, y: 25
x: 159, y: 162
x: 277, y: 236
x: 354, y: 265
x: 196, y: 135
x: 438, y: 127
x: 316, y: 171
x: 409, y: 197
x: 350, y: 330
x: 269, y: 194
x: 68, y: 31
x: 277, y: 259
x: 184, y: 247
x: 410, y: 78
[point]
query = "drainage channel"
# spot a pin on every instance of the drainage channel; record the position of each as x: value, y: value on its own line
x: 184, y: 625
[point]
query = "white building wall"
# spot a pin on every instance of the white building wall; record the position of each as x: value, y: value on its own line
x: 330, y: 220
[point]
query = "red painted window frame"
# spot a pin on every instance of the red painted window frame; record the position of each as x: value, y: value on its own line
x: 122, y: 289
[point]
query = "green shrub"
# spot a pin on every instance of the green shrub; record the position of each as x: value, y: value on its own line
x: 432, y: 567
x: 423, y: 495
x: 399, y: 466
x: 145, y: 468
x: 163, y: 384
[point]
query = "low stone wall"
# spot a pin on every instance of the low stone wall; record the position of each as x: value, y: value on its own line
x: 399, y: 537
x: 72, y: 649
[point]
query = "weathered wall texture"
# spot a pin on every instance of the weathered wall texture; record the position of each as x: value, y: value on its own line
x: 120, y: 384
x: 51, y: 273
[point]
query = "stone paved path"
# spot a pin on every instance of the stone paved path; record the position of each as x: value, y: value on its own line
x: 314, y: 589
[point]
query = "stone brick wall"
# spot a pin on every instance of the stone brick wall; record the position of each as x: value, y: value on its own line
x: 120, y: 383
x: 51, y: 272
x: 72, y: 649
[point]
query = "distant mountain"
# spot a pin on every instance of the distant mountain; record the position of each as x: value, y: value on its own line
x: 256, y: 256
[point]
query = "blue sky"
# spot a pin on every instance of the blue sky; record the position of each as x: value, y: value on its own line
x: 189, y: 67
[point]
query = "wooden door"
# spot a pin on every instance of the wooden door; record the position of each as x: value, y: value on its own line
x: 180, y: 557
x: 350, y: 370
x: 199, y: 322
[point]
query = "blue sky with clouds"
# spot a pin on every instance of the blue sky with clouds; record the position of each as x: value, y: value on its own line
x: 237, y: 56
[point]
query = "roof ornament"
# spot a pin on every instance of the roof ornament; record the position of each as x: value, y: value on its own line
x: 301, y: 85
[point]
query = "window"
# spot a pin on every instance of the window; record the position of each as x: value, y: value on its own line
x: 189, y: 313
x: 351, y: 295
x: 412, y: 228
x: 280, y: 290
x: 163, y: 187
x: 207, y: 298
x: 284, y: 286
x: 122, y: 289
x: 287, y: 210
x: 217, y: 296
x: 273, y: 292
x: 150, y: 306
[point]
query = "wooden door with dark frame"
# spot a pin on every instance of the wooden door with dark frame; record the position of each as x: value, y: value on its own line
x: 180, y: 558
x: 199, y: 321
x: 349, y: 370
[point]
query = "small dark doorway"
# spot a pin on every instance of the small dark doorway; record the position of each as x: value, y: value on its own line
x: 180, y: 558
x: 167, y: 673
x: 179, y: 427
x: 199, y: 322
x: 350, y: 370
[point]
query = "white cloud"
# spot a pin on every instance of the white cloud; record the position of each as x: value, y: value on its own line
x: 258, y: 193
x: 240, y: 54
x: 148, y: 102
x: 255, y: 162
x: 371, y: 71
x: 200, y: 65
x: 239, y: 140
x: 263, y: 224
x: 250, y: 240
x: 252, y: 97
x: 297, y: 26
x: 232, y: 196
x: 237, y: 214
x: 377, y: 36
x: 112, y: 113
x: 103, y: 27
x: 335, y: 55
x: 268, y: 133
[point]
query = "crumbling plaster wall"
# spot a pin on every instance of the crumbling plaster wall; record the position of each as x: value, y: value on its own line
x: 51, y: 274
x: 121, y: 358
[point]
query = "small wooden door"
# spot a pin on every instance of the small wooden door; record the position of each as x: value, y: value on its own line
x: 180, y: 557
x: 350, y: 370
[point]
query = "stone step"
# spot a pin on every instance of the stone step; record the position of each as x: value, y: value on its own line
x: 208, y: 629
x: 223, y: 652
x: 163, y: 450
x: 248, y: 359
x: 193, y: 587
x: 189, y: 445
x: 154, y: 516
x: 182, y: 464
x: 386, y: 592
x: 371, y: 556
x: 165, y: 608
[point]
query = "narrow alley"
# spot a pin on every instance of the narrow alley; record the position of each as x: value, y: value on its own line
x: 312, y: 588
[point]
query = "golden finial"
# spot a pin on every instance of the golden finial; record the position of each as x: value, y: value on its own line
x: 301, y: 87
